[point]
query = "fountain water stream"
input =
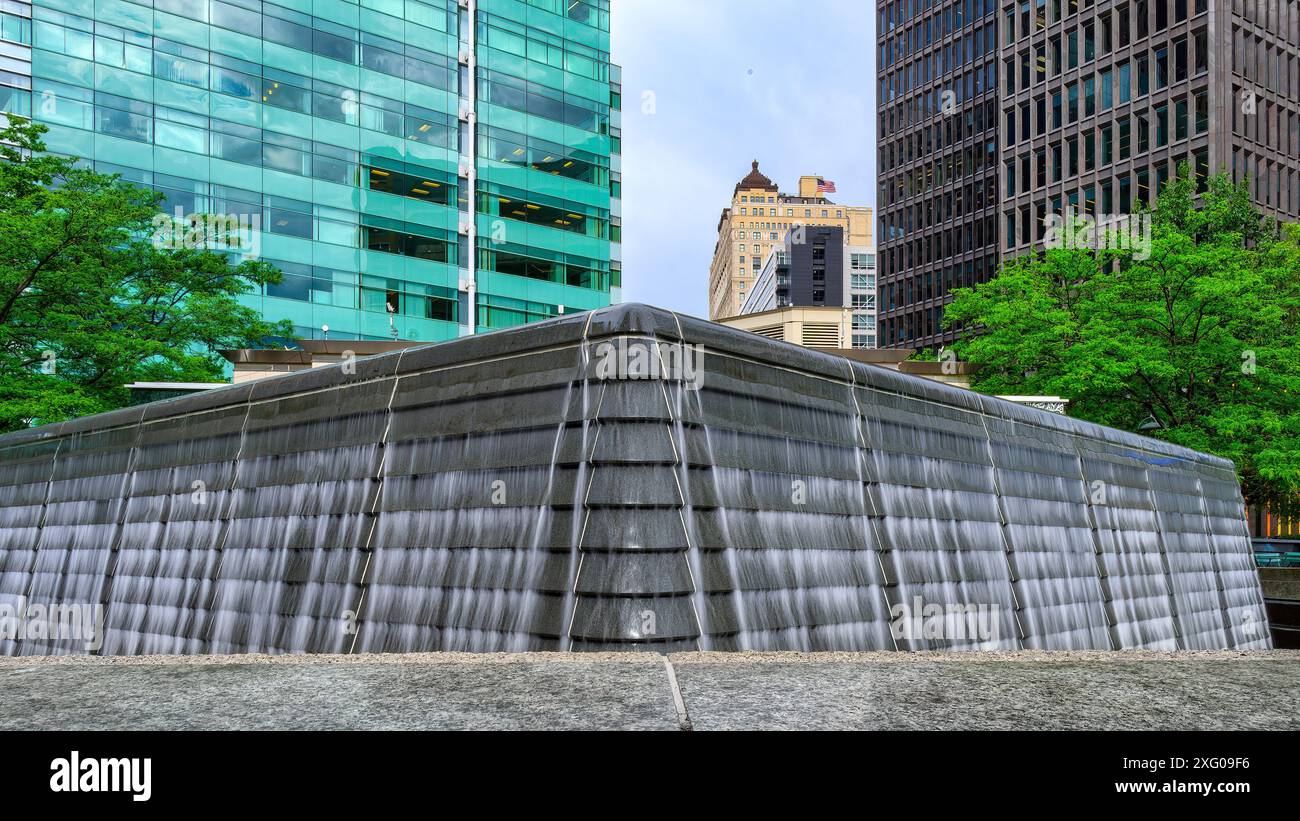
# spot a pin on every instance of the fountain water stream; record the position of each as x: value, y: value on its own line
x: 502, y: 493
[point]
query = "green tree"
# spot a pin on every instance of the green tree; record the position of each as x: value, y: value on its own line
x: 1197, y: 344
x: 90, y: 302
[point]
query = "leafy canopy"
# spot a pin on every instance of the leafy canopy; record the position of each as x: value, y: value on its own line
x: 1201, y: 338
x: 89, y: 303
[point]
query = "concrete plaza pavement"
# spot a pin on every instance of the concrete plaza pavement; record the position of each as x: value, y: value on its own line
x: 701, y: 691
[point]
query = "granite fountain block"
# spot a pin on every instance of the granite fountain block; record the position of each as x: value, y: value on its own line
x: 622, y: 479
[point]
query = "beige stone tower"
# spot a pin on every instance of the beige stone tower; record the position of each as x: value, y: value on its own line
x: 758, y: 220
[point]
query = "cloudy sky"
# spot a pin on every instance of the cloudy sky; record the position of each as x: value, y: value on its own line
x: 708, y: 86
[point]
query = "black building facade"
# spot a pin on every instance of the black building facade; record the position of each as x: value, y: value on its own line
x: 815, y: 267
x: 938, y: 157
x: 994, y: 117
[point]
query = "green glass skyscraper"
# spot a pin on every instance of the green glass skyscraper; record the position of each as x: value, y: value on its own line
x: 418, y: 169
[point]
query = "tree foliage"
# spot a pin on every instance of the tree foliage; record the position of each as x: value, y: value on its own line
x: 1201, y: 338
x: 90, y: 303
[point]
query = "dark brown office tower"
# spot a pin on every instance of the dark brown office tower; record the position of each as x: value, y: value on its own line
x: 938, y: 160
x: 1097, y: 104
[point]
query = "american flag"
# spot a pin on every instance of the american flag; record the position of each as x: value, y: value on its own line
x: 825, y: 187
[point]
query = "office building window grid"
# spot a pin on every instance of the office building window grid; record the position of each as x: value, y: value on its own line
x: 350, y: 135
x: 1092, y: 104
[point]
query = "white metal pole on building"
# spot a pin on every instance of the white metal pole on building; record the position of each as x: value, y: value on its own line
x: 468, y: 169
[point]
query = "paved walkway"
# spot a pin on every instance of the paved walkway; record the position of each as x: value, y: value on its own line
x: 704, y: 691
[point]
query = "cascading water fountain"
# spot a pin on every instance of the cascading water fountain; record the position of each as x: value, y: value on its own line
x: 731, y: 569
x: 935, y: 491
x: 501, y: 492
x: 587, y: 411
x: 1052, y: 550
x: 526, y: 572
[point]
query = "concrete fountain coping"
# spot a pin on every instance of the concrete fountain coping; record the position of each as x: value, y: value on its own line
x: 631, y: 320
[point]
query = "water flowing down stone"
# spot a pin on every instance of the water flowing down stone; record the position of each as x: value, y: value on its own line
x: 626, y: 479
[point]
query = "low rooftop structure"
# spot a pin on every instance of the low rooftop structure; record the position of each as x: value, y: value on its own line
x: 259, y: 363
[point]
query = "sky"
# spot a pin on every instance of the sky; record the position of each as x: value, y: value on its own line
x: 709, y: 86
